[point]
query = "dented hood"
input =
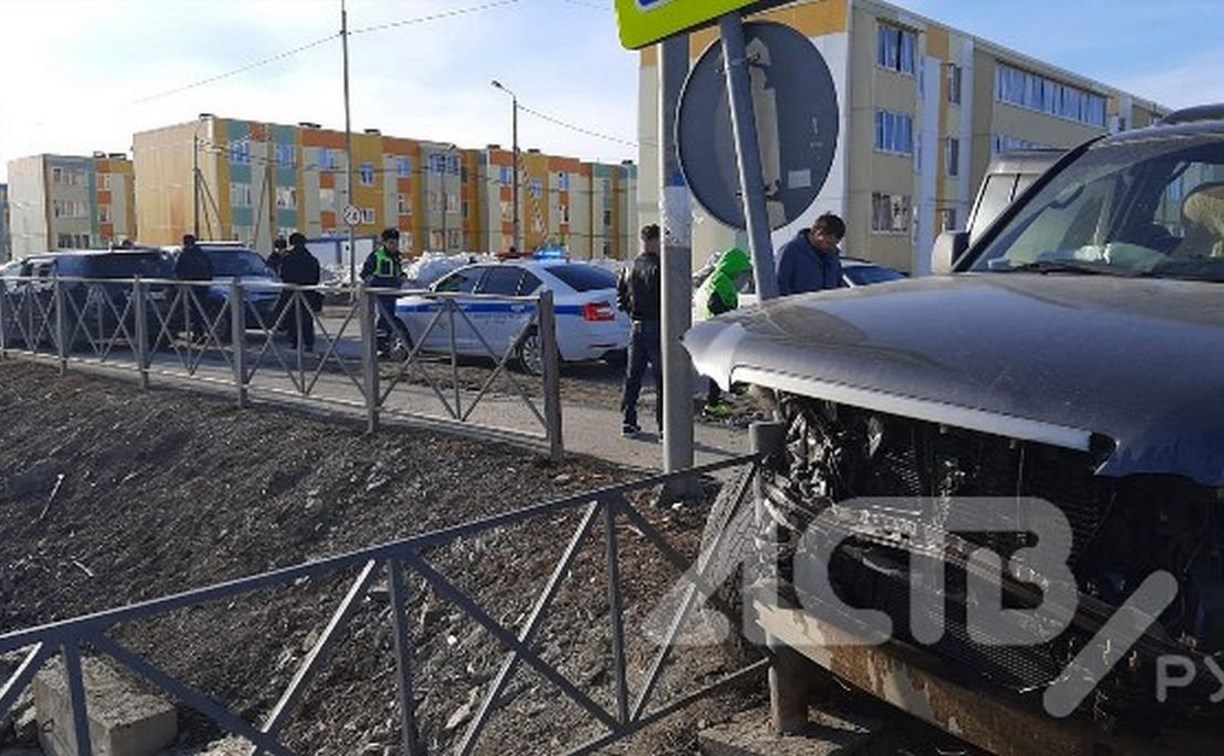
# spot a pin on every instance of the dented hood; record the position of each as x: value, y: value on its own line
x: 1053, y: 358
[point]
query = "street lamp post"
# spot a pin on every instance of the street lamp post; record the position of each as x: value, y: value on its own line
x: 514, y: 193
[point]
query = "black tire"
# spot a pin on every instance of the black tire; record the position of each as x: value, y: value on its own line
x: 732, y: 514
x: 528, y: 355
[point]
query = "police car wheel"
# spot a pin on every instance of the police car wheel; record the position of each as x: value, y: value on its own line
x: 529, y: 354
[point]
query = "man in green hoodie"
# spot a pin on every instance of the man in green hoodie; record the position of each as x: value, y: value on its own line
x: 719, y: 293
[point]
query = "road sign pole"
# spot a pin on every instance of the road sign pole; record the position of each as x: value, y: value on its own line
x: 677, y: 274
x: 748, y: 155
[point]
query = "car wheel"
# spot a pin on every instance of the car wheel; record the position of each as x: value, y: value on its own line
x: 529, y: 354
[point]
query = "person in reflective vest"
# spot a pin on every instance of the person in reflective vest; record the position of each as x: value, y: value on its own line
x: 383, y: 269
x: 719, y: 293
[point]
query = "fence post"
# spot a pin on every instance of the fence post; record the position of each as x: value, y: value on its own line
x: 61, y: 348
x: 550, y: 358
x: 76, y: 697
x: 143, y: 351
x: 238, y: 339
x: 369, y: 354
x: 401, y: 598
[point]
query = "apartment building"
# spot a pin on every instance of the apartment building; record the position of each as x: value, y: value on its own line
x: 70, y: 202
x: 923, y: 107
x: 6, y: 249
x: 223, y: 178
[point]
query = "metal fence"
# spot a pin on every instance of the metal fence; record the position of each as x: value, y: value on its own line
x: 398, y: 561
x: 198, y: 331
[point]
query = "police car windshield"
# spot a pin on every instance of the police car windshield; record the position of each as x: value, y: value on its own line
x: 581, y: 277
x: 242, y: 263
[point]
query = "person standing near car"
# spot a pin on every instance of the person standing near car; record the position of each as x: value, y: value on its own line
x: 719, y: 293
x: 384, y: 269
x: 300, y: 268
x: 279, y: 250
x: 638, y: 292
x: 192, y: 264
x: 811, y: 261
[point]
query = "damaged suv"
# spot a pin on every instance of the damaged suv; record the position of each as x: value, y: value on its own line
x: 1073, y: 354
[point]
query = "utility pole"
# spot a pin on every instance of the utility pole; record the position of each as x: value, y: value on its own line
x: 514, y: 192
x: 348, y: 143
x: 195, y: 180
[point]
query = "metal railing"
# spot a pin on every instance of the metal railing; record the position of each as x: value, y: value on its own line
x: 398, y: 561
x: 194, y: 330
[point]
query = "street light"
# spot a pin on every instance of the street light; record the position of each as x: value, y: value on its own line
x: 514, y: 137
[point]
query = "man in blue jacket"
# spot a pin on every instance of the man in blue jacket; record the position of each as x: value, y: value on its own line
x: 810, y: 261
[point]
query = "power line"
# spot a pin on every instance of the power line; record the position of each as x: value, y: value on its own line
x: 579, y: 129
x: 236, y: 71
x: 433, y: 16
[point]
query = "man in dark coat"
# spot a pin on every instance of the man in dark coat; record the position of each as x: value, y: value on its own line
x: 192, y: 264
x: 810, y: 261
x: 639, y: 293
x: 300, y: 268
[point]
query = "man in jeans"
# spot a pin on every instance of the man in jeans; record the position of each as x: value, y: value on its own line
x: 638, y: 293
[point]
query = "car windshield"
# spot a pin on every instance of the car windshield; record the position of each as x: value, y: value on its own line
x: 1142, y: 207
x: 238, y: 263
x: 864, y: 275
x: 581, y: 277
x: 125, y: 266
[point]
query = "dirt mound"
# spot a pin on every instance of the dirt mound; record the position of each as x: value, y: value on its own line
x: 110, y: 495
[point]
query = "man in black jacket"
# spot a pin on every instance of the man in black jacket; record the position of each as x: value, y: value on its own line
x: 192, y: 264
x: 638, y: 293
x: 300, y: 268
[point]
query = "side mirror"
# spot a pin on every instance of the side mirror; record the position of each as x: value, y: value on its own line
x: 949, y: 245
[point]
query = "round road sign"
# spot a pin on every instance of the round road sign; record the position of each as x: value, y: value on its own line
x: 797, y: 122
x: 352, y: 215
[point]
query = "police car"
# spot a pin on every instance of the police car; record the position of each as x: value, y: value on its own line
x: 589, y: 326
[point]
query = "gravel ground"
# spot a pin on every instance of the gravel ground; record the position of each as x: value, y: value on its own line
x: 111, y: 496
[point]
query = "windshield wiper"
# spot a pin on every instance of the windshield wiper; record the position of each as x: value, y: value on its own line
x: 1083, y: 267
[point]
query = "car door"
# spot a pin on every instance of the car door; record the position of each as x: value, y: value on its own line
x: 461, y: 282
x: 500, y: 321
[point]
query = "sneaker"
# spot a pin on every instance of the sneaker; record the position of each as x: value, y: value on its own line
x: 629, y: 430
x: 717, y: 411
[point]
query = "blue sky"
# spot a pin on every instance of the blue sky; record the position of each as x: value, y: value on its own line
x: 84, y: 75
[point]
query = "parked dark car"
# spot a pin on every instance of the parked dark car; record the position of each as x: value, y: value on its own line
x: 96, y: 292
x: 233, y: 260
x: 1074, y: 354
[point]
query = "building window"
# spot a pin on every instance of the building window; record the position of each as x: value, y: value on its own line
x: 57, y: 177
x: 954, y: 83
x: 537, y: 189
x: 327, y: 159
x: 890, y: 213
x: 403, y: 167
x: 896, y: 48
x: 434, y: 203
x: 437, y: 164
x: 366, y: 174
x: 563, y: 181
x: 465, y: 210
x: 240, y: 195
x: 507, y: 175
x: 452, y: 164
x: 953, y: 156
x: 104, y: 182
x: 327, y: 199
x: 367, y: 216
x: 607, y: 218
x: 507, y: 210
x: 403, y: 204
x: 1034, y: 92
x: 240, y: 152
x: 452, y: 202
x: 286, y: 197
x: 104, y: 215
x: 563, y: 214
x: 69, y: 209
x: 894, y: 132
x: 285, y: 155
